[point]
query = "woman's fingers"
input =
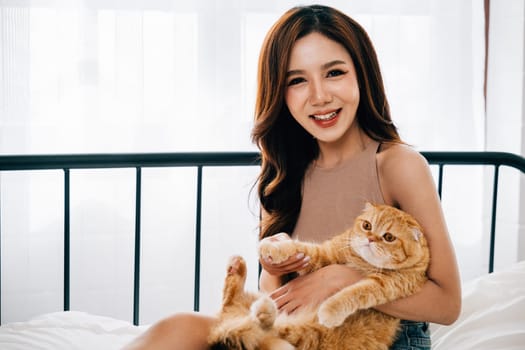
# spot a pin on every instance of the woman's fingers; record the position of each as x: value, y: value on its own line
x: 286, y: 299
x: 292, y: 264
x: 312, y: 289
x: 281, y: 298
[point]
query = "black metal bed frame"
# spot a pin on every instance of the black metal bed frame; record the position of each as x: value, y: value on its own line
x: 201, y: 160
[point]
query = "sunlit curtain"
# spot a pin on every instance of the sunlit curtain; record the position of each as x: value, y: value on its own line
x: 110, y: 76
x: 99, y: 76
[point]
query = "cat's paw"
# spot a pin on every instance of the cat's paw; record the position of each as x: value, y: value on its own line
x: 277, y: 251
x: 264, y: 311
x: 236, y: 266
x: 330, y: 314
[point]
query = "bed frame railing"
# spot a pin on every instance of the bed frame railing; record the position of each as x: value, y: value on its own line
x: 200, y: 160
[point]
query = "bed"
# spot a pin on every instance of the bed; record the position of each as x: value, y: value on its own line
x: 493, y: 314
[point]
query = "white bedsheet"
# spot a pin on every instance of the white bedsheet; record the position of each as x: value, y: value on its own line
x: 492, y: 318
x: 71, y: 330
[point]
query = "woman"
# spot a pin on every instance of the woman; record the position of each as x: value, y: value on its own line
x: 328, y: 145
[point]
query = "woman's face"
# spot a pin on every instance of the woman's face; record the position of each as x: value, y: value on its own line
x: 322, y: 93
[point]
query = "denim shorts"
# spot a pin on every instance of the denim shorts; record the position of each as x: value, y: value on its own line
x: 412, y: 336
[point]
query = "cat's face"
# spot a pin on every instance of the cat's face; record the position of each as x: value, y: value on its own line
x: 387, y: 237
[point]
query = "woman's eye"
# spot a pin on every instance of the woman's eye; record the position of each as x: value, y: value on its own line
x: 295, y: 81
x: 335, y: 73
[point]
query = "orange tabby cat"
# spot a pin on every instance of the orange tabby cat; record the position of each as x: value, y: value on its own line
x: 385, y: 244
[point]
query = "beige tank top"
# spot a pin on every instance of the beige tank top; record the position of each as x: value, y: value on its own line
x: 332, y: 198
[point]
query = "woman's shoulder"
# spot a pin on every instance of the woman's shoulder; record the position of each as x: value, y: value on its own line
x: 399, y: 156
x: 401, y: 169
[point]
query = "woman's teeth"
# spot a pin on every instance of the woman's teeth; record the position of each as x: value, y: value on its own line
x: 325, y: 117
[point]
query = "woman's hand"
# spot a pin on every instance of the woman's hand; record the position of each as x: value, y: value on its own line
x: 313, y: 288
x: 292, y: 264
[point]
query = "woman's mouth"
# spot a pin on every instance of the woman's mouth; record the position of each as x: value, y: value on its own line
x: 326, y: 119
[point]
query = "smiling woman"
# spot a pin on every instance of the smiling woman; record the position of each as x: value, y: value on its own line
x: 322, y: 144
x: 322, y: 74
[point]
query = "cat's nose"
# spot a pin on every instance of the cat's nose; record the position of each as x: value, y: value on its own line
x: 371, y: 239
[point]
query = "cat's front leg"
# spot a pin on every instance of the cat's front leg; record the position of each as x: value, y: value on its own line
x: 277, y: 251
x: 331, y: 313
x: 362, y: 295
x: 334, y: 310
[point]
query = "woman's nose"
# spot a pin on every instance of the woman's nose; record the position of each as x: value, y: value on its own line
x: 319, y: 95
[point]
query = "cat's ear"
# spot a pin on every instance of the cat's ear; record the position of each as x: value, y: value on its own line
x: 416, y: 233
x: 369, y: 206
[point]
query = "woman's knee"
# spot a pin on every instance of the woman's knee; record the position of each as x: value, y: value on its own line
x: 185, y: 323
x: 185, y: 330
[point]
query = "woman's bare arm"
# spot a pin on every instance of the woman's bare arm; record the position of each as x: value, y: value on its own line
x: 407, y: 183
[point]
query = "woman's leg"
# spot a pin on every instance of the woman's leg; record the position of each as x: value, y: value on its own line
x: 181, y: 331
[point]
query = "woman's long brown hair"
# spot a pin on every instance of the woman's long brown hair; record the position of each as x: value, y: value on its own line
x: 286, y: 148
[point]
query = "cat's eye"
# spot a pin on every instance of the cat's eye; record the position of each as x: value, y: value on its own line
x: 389, y: 237
x: 366, y: 225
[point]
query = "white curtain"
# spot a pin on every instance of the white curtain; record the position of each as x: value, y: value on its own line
x: 166, y: 75
x: 99, y: 76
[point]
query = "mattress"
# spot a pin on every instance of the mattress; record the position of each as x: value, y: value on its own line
x: 492, y: 317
